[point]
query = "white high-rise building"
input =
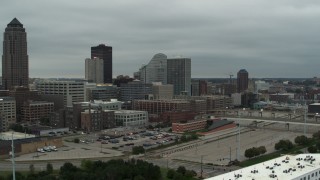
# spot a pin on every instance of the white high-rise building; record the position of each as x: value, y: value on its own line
x: 94, y: 70
x: 72, y: 91
x: 7, y: 112
x: 175, y: 71
x: 155, y: 70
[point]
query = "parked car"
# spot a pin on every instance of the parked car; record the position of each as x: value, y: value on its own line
x: 47, y: 149
x: 114, y: 140
x: 104, y: 142
x: 40, y: 150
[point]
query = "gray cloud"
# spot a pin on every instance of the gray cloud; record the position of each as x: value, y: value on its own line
x: 270, y: 38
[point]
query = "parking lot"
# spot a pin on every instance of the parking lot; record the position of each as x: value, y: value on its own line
x: 97, y: 145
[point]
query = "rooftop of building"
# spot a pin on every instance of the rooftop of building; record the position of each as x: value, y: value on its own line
x: 15, y: 135
x: 39, y: 102
x: 284, y: 167
x: 243, y: 71
x: 107, y: 102
x: 164, y: 100
x: 128, y: 111
x: 7, y: 98
x: 315, y: 104
x: 15, y: 23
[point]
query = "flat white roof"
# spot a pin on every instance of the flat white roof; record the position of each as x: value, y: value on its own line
x: 285, y: 167
x: 16, y: 135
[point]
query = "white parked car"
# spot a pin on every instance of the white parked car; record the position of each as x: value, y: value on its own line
x: 40, y: 150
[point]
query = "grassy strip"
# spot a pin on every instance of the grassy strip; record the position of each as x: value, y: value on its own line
x: 295, y: 150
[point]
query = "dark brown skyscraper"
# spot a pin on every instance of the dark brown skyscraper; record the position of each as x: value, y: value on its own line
x: 104, y: 52
x: 15, y: 66
x: 242, y: 80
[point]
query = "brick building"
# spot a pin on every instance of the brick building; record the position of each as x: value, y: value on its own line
x: 189, y: 126
x: 160, y: 106
x: 96, y: 120
x: 33, y: 111
x: 177, y: 116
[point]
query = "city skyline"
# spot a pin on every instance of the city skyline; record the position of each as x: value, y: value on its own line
x: 268, y: 39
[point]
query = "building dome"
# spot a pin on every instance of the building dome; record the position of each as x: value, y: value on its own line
x: 243, y: 71
x: 160, y: 56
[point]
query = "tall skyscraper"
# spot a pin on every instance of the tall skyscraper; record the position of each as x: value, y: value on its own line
x: 104, y: 52
x: 94, y: 70
x: 179, y: 75
x: 15, y: 66
x: 156, y: 70
x: 242, y: 80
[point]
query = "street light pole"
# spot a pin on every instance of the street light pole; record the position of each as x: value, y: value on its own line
x: 230, y: 154
x: 13, y: 164
x: 201, y: 166
x: 238, y: 145
x: 305, y: 119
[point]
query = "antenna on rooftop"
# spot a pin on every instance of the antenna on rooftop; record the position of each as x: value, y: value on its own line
x: 230, y: 74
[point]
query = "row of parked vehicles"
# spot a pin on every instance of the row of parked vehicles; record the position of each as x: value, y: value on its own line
x: 47, y: 149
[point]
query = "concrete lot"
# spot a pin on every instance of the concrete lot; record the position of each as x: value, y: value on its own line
x: 71, y: 151
x: 91, y: 148
x: 218, y: 151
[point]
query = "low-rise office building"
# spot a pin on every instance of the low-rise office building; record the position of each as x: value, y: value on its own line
x: 34, y: 111
x: 160, y: 106
x: 96, y: 120
x: 189, y: 126
x: 7, y: 112
x: 131, y: 118
x: 72, y: 91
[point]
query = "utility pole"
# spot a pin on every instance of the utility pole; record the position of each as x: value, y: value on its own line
x: 230, y: 154
x: 305, y: 118
x: 13, y: 164
x: 101, y: 147
x: 201, y: 166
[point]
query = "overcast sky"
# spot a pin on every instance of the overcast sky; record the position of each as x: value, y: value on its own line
x: 268, y: 38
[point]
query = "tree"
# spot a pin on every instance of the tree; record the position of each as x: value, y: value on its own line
x: 183, y: 138
x: 138, y: 150
x: 283, y: 145
x: 76, y: 140
x: 139, y: 177
x: 182, y: 170
x: 312, y: 149
x: 49, y: 168
x: 67, y: 171
x: 194, y: 136
x: 18, y: 176
x: 256, y: 151
x: 190, y: 173
x: 170, y: 173
x: 86, y: 165
x: 262, y: 149
x: 178, y: 176
x: 318, y: 145
x: 316, y: 135
x: 249, y: 153
x: 301, y: 140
